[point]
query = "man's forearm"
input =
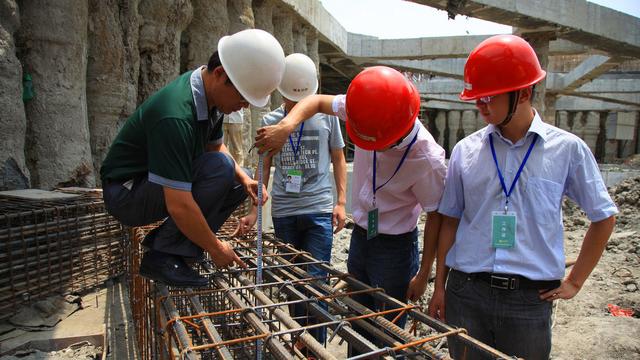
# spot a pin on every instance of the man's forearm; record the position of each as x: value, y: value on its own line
x: 446, y: 239
x: 191, y: 222
x: 340, y: 175
x: 306, y: 108
x: 595, y: 241
x: 430, y: 243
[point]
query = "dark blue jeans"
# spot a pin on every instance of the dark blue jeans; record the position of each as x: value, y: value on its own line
x: 515, y: 322
x: 386, y: 261
x: 312, y: 233
x: 214, y: 189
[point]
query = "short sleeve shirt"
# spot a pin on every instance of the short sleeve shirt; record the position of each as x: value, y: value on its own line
x: 312, y: 156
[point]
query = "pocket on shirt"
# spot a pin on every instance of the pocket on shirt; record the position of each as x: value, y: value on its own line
x: 543, y: 200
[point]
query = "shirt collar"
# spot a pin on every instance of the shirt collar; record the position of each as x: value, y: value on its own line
x: 407, y: 139
x: 199, y: 97
x: 537, y: 127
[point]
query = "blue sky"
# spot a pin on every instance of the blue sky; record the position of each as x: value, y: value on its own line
x: 391, y: 19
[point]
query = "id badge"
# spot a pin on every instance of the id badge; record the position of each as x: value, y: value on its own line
x: 294, y: 181
x: 503, y: 229
x: 372, y: 224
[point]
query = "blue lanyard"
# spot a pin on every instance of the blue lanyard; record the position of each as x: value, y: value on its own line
x: 296, y: 148
x: 515, y: 179
x: 404, y: 156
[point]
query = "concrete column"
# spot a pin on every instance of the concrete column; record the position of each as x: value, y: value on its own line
x: 591, y: 129
x: 480, y: 123
x: 263, y: 16
x: 241, y: 18
x: 300, y: 38
x: 441, y: 124
x: 539, y: 40
x: 468, y: 122
x: 453, y: 122
x: 162, y: 25
x: 312, y: 49
x: 283, y: 31
x: 563, y: 120
x: 200, y: 39
x: 112, y: 72
x: 54, y: 48
x: 610, y: 150
x: 13, y: 122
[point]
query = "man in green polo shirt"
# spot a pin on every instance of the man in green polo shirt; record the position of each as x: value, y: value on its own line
x: 169, y: 161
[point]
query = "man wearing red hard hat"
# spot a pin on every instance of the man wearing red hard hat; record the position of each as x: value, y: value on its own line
x: 398, y: 171
x: 501, y: 232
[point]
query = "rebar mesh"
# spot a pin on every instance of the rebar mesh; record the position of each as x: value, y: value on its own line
x: 56, y: 246
x: 233, y: 318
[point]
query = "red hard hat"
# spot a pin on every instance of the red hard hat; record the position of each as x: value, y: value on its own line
x: 498, y: 65
x: 382, y: 106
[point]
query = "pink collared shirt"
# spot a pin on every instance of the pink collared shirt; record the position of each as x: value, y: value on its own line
x: 417, y: 186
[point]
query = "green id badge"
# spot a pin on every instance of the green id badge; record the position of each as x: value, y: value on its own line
x: 372, y: 224
x: 503, y: 229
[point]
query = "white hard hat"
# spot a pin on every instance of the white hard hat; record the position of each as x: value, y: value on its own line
x: 300, y: 77
x: 254, y: 61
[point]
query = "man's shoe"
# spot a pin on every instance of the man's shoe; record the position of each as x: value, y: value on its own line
x: 170, y: 269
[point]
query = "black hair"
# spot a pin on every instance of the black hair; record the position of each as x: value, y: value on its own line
x: 214, y: 62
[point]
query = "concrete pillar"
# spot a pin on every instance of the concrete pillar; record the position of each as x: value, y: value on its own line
x: 610, y: 150
x: 54, y: 48
x: 162, y: 25
x: 283, y: 31
x: 112, y: 72
x: 480, y: 123
x: 13, y: 122
x: 468, y: 122
x: 453, y: 122
x: 200, y: 39
x: 441, y: 124
x: 241, y: 18
x: 312, y: 49
x: 563, y: 120
x: 591, y: 129
x: 263, y: 16
x: 300, y: 38
x: 539, y: 40
x: 549, y: 115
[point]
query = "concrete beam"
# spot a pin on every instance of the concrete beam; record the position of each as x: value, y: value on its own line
x: 575, y: 20
x: 589, y: 69
x: 572, y: 103
x: 452, y: 68
x: 369, y: 47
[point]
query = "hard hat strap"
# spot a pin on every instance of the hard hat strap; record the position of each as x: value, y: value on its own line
x: 514, y: 97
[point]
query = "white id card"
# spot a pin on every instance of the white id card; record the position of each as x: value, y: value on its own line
x: 294, y: 181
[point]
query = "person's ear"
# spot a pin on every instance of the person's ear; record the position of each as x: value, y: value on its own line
x: 525, y: 94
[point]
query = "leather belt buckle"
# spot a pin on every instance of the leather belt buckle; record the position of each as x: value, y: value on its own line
x: 504, y: 283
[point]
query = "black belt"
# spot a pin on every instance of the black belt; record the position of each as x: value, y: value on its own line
x: 510, y: 281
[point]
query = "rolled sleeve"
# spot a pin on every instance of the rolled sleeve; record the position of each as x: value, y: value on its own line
x: 452, y: 202
x: 339, y: 106
x: 586, y: 187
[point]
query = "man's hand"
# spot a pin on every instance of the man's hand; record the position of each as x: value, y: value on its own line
x: 339, y: 217
x: 417, y: 286
x: 271, y: 138
x: 567, y: 290
x: 251, y: 188
x: 437, y: 304
x: 225, y: 256
x: 246, y: 223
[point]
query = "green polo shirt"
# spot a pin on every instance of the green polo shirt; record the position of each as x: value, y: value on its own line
x: 163, y: 137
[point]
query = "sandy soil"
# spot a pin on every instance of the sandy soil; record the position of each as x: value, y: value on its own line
x: 583, y: 326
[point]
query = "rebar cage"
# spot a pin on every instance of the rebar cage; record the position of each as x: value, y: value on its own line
x: 56, y: 246
x: 233, y: 318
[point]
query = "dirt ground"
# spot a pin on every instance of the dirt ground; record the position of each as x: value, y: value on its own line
x: 583, y: 327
